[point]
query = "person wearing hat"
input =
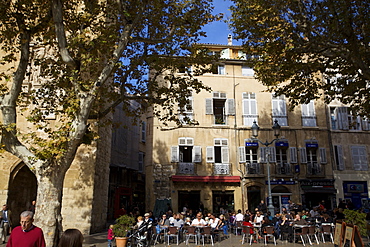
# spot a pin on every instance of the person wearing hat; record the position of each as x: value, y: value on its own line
x: 148, y: 222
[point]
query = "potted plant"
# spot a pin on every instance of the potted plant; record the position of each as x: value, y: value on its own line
x: 121, y: 228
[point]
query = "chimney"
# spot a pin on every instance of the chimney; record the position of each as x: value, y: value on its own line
x: 229, y: 39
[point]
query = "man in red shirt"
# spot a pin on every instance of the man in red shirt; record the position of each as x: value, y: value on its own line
x: 27, y: 234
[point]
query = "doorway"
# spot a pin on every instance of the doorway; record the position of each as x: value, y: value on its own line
x: 223, y: 201
x: 254, y: 197
x: 22, y: 191
x: 189, y: 199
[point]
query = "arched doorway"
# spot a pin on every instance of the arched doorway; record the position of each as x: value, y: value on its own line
x: 254, y: 197
x: 280, y: 196
x: 22, y: 191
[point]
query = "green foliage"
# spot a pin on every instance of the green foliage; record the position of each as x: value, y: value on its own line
x: 306, y: 48
x: 356, y: 218
x: 123, y: 224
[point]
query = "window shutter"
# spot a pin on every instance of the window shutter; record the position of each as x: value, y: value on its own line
x: 143, y: 131
x: 342, y: 118
x: 262, y: 153
x: 272, y: 156
x: 303, y: 155
x: 225, y: 155
x: 365, y: 124
x: 242, y: 157
x: 197, y: 154
x: 175, y: 154
x: 230, y: 107
x: 209, y: 106
x: 141, y: 161
x: 210, y: 154
x: 323, y: 159
x: 293, y: 155
x: 339, y: 157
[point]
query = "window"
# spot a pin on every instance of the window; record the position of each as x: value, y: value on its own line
x: 338, y: 156
x: 220, y: 107
x: 282, y: 165
x: 247, y: 71
x: 186, y: 112
x: 219, y: 153
x: 186, y: 151
x: 309, y: 155
x: 249, y: 156
x: 249, y: 109
x: 359, y: 158
x: 343, y: 119
x: 308, y: 114
x: 279, y: 112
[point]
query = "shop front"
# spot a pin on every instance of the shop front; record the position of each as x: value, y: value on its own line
x: 315, y: 191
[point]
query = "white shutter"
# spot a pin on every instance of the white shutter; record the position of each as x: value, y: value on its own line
x: 323, y: 159
x: 262, y: 155
x: 365, y: 124
x: 342, y: 117
x: 359, y: 158
x: 272, y: 156
x: 175, y: 154
x: 339, y: 157
x: 210, y: 154
x: 242, y: 155
x: 225, y: 155
x: 230, y: 107
x: 293, y: 155
x: 225, y: 53
x: 197, y: 154
x: 303, y: 155
x: 209, y: 106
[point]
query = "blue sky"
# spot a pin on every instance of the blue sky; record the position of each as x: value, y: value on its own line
x: 217, y: 32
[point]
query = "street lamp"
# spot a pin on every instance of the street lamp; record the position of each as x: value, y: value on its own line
x: 276, y: 129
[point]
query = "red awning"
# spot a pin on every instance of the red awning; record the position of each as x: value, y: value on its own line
x: 211, y: 179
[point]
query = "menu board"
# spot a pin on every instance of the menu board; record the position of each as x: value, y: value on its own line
x: 348, y: 236
x: 338, y: 234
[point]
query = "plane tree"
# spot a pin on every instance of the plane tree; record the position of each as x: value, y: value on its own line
x: 77, y: 60
x: 305, y: 49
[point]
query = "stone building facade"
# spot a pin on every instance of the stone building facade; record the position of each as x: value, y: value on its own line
x: 217, y: 163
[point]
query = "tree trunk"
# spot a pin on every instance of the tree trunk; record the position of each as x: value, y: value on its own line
x: 49, y: 201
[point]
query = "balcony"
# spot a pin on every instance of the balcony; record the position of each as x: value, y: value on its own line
x: 284, y: 169
x: 254, y: 170
x: 222, y: 169
x: 315, y: 170
x: 186, y: 168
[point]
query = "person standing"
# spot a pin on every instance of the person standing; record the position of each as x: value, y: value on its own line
x: 110, y: 236
x: 27, y: 234
x: 6, y: 223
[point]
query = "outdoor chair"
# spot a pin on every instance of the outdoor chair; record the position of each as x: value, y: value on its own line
x: 247, y: 234
x: 269, y: 231
x: 207, y: 232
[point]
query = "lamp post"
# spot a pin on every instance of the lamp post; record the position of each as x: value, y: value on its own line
x: 276, y: 129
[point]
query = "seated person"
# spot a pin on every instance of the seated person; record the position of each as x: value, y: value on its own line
x: 164, y: 221
x: 258, y: 218
x: 213, y: 221
x: 222, y: 224
x: 298, y: 220
x: 198, y: 221
x: 326, y: 219
x: 178, y: 222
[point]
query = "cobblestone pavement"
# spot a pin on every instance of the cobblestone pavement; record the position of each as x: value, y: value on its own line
x: 100, y: 240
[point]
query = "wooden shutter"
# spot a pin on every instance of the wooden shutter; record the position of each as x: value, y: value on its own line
x: 262, y: 155
x: 293, y: 155
x: 339, y: 157
x: 225, y: 155
x: 323, y: 159
x: 197, y: 154
x: 210, y: 154
x: 175, y: 154
x: 303, y: 155
x: 272, y: 156
x: 242, y: 155
x: 230, y: 107
x: 209, y: 106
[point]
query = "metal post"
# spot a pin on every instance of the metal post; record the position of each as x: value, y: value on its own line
x: 270, y: 207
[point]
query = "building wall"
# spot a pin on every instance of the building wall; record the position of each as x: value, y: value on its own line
x: 233, y: 84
